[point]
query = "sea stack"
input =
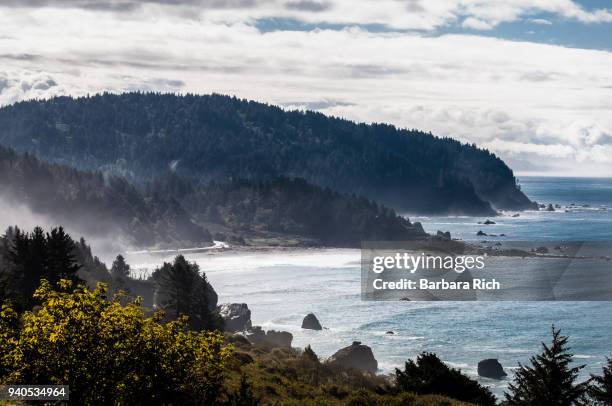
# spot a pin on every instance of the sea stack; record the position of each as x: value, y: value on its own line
x: 311, y: 322
x: 491, y: 368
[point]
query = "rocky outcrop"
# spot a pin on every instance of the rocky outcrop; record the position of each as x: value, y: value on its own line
x: 356, y: 356
x: 311, y: 322
x: 488, y: 222
x: 481, y: 233
x: 236, y: 316
x: 550, y: 207
x: 491, y: 368
x: 272, y: 338
x: 443, y: 235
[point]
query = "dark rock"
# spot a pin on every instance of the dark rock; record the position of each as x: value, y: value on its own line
x: 236, y: 316
x: 488, y: 222
x: 541, y: 250
x: 491, y: 368
x: 357, y: 356
x: 516, y: 215
x: 279, y: 338
x: 550, y: 207
x: 443, y: 235
x: 480, y: 233
x: 258, y: 336
x: 311, y: 322
x: 390, y: 332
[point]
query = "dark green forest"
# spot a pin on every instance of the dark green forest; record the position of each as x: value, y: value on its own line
x: 172, y: 210
x: 143, y: 135
x: 97, y: 205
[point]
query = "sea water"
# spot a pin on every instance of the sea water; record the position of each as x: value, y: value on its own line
x: 281, y: 288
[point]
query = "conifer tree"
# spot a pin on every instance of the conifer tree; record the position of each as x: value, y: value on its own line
x: 550, y: 380
x: 182, y: 290
x: 120, y: 268
x: 601, y: 387
x: 61, y: 261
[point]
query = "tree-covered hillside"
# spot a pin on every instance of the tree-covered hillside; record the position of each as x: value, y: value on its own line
x: 215, y: 137
x: 288, y: 207
x: 177, y: 211
x: 94, y: 204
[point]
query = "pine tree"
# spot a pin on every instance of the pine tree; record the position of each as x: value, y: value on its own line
x: 120, y: 268
x: 182, y: 290
x: 61, y: 261
x: 549, y: 381
x: 601, y: 388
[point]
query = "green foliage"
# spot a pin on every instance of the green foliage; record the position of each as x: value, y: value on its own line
x: 216, y: 137
x: 549, y: 380
x: 109, y: 352
x: 244, y: 395
x: 183, y: 290
x: 33, y: 256
x: 430, y: 375
x: 285, y: 377
x: 601, y: 386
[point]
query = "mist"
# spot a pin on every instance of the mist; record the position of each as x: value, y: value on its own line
x: 106, y: 246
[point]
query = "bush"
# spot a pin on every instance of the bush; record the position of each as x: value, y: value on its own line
x: 109, y: 352
x: 429, y: 375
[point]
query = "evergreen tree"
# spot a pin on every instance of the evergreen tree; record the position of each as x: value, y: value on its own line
x: 29, y: 258
x: 120, y: 268
x: 182, y: 290
x: 37, y: 256
x: 549, y: 381
x: 61, y: 261
x: 430, y: 375
x: 601, y: 388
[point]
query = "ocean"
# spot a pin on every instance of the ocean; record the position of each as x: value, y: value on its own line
x: 281, y: 288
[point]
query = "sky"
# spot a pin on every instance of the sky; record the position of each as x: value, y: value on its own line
x: 530, y: 80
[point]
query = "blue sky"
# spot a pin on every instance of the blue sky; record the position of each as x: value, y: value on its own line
x: 530, y: 80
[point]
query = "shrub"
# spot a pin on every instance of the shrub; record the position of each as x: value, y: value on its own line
x: 429, y: 375
x: 109, y: 352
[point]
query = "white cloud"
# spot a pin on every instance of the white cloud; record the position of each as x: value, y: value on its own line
x: 502, y: 94
x: 476, y: 24
x: 540, y: 21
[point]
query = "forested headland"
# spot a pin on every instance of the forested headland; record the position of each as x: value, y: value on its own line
x: 140, y: 136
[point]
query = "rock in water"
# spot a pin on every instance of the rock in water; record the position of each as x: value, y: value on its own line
x: 550, y: 207
x: 311, y: 322
x: 488, y: 222
x: 356, y: 356
x: 491, y: 368
x: 236, y: 316
x: 481, y: 233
